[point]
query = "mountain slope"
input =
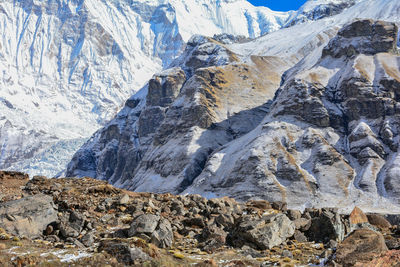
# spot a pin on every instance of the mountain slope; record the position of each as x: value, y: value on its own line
x: 68, y: 66
x: 302, y: 150
x: 204, y: 91
x: 331, y: 135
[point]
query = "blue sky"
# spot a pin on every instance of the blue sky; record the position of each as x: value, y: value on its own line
x: 279, y: 5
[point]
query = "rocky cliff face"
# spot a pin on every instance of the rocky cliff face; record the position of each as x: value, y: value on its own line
x: 315, y: 10
x: 328, y: 137
x: 68, y: 66
x: 331, y: 135
x: 188, y: 112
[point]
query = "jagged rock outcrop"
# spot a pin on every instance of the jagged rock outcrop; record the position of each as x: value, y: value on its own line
x: 328, y: 136
x: 314, y: 10
x: 70, y: 65
x: 189, y: 111
x: 331, y: 133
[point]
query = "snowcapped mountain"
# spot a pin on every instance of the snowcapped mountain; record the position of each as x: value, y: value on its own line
x: 68, y: 66
x: 305, y: 114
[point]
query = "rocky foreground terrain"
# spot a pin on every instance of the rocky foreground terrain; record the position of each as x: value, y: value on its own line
x: 86, y: 222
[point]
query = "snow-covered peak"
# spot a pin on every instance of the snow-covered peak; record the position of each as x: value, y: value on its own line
x: 318, y: 9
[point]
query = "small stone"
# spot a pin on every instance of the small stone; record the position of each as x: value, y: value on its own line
x: 2, y: 246
x: 124, y: 200
x: 88, y: 239
x: 79, y: 244
x: 294, y: 214
x: 53, y: 238
x: 70, y: 240
x: 287, y: 254
x: 49, y: 230
x: 332, y: 243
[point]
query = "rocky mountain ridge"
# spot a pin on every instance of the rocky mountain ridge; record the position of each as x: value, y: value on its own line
x: 68, y: 66
x: 333, y: 116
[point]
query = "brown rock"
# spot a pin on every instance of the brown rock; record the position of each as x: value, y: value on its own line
x: 259, y: 204
x: 361, y: 246
x: 389, y: 259
x: 378, y: 221
x: 357, y: 216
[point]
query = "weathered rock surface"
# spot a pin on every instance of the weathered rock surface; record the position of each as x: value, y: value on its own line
x: 264, y: 233
x: 206, y: 99
x: 362, y: 246
x: 158, y: 230
x: 28, y: 216
x: 363, y: 37
x: 330, y: 136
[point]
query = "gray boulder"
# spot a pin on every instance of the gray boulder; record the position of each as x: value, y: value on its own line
x: 265, y: 233
x: 163, y: 236
x: 157, y: 229
x: 144, y: 224
x: 28, y: 216
x: 326, y: 226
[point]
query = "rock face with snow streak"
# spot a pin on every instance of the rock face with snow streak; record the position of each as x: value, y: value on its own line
x: 68, y: 66
x: 315, y: 10
x: 189, y: 112
x: 328, y: 138
x: 331, y: 137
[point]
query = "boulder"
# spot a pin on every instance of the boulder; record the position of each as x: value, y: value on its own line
x: 28, y: 216
x: 157, y: 229
x: 378, y: 221
x: 357, y: 216
x: 163, y: 236
x: 123, y: 252
x: 363, y: 245
x: 326, y: 226
x: 146, y: 224
x: 212, y: 238
x: 263, y: 233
